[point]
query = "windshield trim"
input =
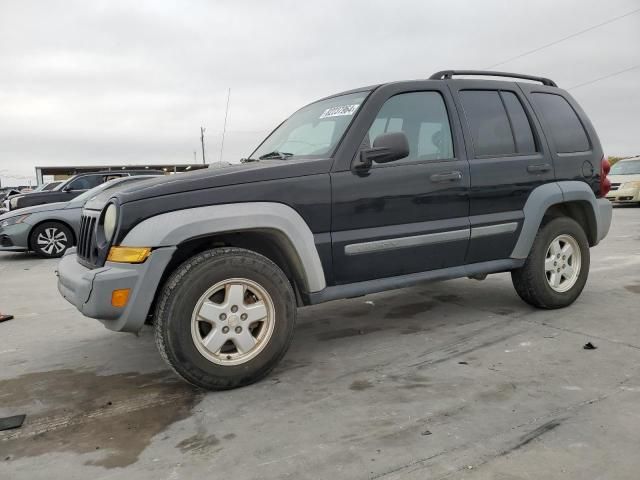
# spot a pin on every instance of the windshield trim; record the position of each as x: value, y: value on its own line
x: 330, y: 154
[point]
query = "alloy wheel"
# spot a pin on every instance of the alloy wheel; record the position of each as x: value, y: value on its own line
x: 52, y: 241
x: 233, y: 321
x: 562, y: 263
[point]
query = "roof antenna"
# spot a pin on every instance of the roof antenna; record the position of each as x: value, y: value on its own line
x: 202, y: 130
x: 224, y: 129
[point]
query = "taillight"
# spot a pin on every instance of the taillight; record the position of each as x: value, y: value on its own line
x: 605, y: 184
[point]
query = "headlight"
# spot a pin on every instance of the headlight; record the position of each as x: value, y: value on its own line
x: 13, y: 220
x: 630, y: 185
x: 110, y: 221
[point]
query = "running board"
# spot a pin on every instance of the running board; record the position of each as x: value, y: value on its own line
x: 358, y: 289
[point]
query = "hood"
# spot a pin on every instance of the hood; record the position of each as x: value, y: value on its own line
x: 37, y: 209
x: 212, y: 177
x: 36, y: 194
x: 632, y: 177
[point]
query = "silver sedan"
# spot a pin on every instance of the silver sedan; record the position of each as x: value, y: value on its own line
x: 50, y: 229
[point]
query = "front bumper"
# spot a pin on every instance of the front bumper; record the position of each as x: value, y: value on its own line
x: 627, y: 195
x: 90, y: 290
x: 15, y: 238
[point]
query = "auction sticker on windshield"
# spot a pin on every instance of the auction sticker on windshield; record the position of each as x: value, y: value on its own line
x: 340, y: 111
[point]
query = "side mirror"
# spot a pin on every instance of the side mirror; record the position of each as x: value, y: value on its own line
x: 66, y: 189
x: 387, y: 147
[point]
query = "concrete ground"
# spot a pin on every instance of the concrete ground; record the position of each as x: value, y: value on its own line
x: 458, y: 379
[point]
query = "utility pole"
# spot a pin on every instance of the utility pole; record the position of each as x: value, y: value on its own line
x: 224, y: 129
x: 194, y: 156
x: 202, y: 130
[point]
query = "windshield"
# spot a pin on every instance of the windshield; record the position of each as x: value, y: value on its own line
x: 110, y: 185
x: 626, y: 168
x: 313, y: 131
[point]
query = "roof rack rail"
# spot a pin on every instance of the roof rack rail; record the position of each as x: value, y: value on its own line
x: 447, y: 74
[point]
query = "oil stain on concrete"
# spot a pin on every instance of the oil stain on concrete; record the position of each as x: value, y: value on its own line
x: 410, y: 309
x: 633, y: 288
x: 199, y: 443
x: 112, y: 416
x: 359, y: 385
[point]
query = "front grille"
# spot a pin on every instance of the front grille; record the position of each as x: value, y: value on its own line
x: 87, y: 251
x: 615, y: 186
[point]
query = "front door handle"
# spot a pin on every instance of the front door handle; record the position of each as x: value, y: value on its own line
x: 541, y: 168
x: 446, y: 177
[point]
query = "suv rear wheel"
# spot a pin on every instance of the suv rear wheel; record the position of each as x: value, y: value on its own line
x: 225, y: 318
x: 557, y: 267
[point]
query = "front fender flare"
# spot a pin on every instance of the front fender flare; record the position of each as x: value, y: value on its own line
x: 173, y: 228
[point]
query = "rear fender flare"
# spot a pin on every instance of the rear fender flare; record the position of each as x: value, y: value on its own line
x: 545, y: 196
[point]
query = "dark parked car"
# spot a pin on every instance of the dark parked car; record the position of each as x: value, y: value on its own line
x: 72, y: 187
x: 8, y: 192
x: 5, y: 194
x: 46, y: 187
x: 369, y: 190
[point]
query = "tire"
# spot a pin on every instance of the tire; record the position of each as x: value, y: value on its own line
x: 189, y: 325
x: 51, y: 239
x: 546, y: 280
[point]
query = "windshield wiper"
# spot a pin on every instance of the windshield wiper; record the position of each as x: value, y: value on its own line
x: 276, y: 154
x: 247, y: 160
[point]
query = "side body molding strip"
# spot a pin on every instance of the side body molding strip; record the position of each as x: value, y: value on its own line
x: 288, y: 227
x: 429, y: 238
x: 404, y: 242
x: 498, y: 229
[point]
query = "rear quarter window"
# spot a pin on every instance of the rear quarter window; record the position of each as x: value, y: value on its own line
x: 565, y: 127
x: 525, y: 142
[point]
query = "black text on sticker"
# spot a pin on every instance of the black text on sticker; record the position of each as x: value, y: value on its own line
x: 340, y: 111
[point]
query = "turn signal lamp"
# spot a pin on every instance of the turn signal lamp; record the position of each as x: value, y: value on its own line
x: 119, y: 298
x: 128, y: 254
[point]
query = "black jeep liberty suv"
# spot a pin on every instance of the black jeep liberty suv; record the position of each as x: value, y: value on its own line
x: 373, y: 189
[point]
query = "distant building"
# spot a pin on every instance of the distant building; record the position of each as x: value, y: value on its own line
x: 63, y: 172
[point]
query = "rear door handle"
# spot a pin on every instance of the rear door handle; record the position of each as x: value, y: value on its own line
x: 541, y: 168
x: 446, y: 177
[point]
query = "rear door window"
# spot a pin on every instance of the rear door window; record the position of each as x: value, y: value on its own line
x: 565, y: 127
x: 488, y: 122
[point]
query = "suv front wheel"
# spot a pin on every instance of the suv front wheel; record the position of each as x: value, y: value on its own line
x: 225, y: 318
x: 557, y: 267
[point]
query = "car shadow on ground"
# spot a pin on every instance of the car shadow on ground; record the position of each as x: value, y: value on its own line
x: 21, y: 257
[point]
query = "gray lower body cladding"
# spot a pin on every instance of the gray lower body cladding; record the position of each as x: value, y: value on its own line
x: 402, y: 281
x: 556, y: 193
x: 90, y: 290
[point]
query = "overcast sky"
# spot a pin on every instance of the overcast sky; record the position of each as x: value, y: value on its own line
x: 121, y: 82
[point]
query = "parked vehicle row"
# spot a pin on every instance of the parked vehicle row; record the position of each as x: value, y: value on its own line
x: 71, y: 188
x: 368, y: 190
x: 625, y: 181
x: 51, y: 229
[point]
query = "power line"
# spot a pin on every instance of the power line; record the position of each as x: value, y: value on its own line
x: 604, y: 77
x: 593, y: 27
